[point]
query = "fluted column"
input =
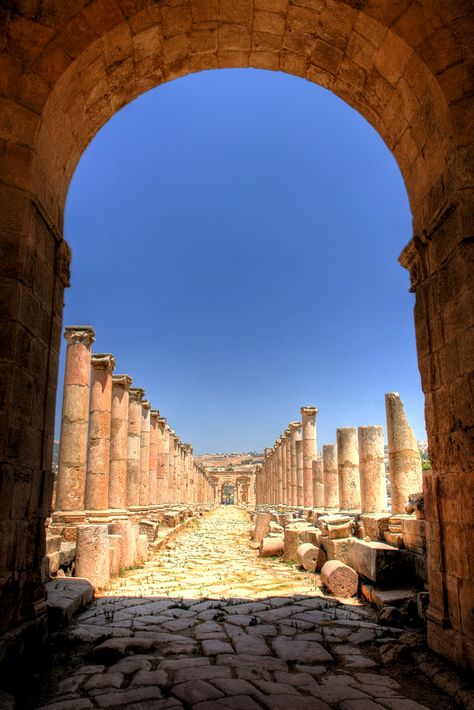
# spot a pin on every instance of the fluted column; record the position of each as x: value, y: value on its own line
x: 331, y: 481
x: 74, y: 423
x: 373, y: 486
x: 308, y: 417
x: 133, y: 446
x: 404, y: 457
x: 153, y: 466
x: 98, y: 454
x: 348, y: 468
x: 296, y: 485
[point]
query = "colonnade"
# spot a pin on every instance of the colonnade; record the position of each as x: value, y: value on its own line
x: 119, y: 460
x: 348, y: 476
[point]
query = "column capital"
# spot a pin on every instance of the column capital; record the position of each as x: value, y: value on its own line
x: 294, y: 426
x: 83, y: 334
x: 103, y: 361
x: 188, y: 447
x: 162, y: 422
x: 146, y: 404
x: 124, y: 380
x: 136, y: 394
x: 309, y: 411
x: 155, y: 414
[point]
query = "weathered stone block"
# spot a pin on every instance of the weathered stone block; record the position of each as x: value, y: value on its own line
x: 67, y: 554
x: 336, y: 549
x: 375, y: 524
x: 413, y: 533
x: 376, y: 561
x: 53, y: 543
x: 65, y: 597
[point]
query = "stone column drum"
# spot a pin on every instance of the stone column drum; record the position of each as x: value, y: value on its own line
x: 153, y: 465
x: 331, y: 481
x: 92, y: 554
x: 118, y: 442
x: 144, y: 487
x: 308, y: 418
x: 295, y: 435
x: 74, y: 422
x: 373, y: 486
x: 133, y: 446
x: 403, y: 454
x: 98, y: 455
x: 299, y: 472
x: 348, y: 468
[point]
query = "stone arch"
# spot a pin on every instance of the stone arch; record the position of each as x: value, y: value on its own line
x: 66, y: 68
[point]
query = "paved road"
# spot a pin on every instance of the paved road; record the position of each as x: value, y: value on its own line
x: 208, y: 625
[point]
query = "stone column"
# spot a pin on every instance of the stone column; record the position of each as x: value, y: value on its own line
x: 279, y: 454
x: 74, y: 424
x: 331, y: 482
x: 172, y: 465
x: 299, y: 471
x: 133, y: 446
x: 267, y: 477
x: 308, y: 417
x: 153, y: 467
x: 144, y: 490
x: 98, y: 454
x: 348, y: 468
x: 296, y: 490
x: 284, y: 483
x: 318, y: 484
x: 291, y: 492
x: 118, y: 442
x: 403, y: 454
x: 373, y: 486
x: 163, y: 451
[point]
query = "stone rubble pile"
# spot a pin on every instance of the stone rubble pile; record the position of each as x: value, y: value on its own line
x: 316, y: 510
x: 123, y: 473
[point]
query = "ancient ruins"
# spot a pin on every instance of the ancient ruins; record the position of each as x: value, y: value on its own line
x: 65, y: 69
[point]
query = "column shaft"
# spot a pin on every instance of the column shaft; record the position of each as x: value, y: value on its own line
x: 308, y: 417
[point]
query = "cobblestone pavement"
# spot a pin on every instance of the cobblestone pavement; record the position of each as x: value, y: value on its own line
x: 206, y: 624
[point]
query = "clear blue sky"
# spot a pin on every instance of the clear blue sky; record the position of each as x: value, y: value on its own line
x: 235, y: 237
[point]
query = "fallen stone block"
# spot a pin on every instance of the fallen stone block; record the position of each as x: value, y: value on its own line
x: 413, y: 533
x: 149, y: 528
x: 53, y: 561
x: 376, y: 561
x: 314, y: 535
x: 270, y: 546
x: 336, y: 549
x: 339, y: 578
x: 53, y: 543
x: 262, y: 526
x: 337, y: 532
x: 293, y: 537
x: 391, y: 597
x: 375, y: 524
x: 310, y: 557
x: 67, y: 554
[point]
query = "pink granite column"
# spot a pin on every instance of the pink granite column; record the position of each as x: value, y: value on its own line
x: 348, y: 469
x: 153, y: 467
x: 118, y: 442
x: 98, y: 454
x: 144, y: 489
x: 308, y: 415
x: 296, y: 485
x: 331, y: 481
x: 133, y: 446
x: 74, y: 424
x: 373, y: 486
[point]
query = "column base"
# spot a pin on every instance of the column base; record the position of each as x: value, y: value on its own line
x: 99, y: 517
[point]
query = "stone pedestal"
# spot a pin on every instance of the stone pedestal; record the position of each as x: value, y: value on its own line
x: 98, y: 456
x: 133, y: 446
x: 348, y: 468
x: 308, y: 417
x: 373, y: 486
x: 331, y: 479
x: 118, y: 442
x: 404, y: 457
x: 74, y: 424
x: 92, y: 554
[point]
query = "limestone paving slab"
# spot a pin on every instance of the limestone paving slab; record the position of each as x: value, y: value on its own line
x: 206, y: 624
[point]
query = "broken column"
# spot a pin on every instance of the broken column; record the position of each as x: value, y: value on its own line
x: 331, y: 481
x: 348, y: 469
x: 318, y: 484
x: 404, y: 457
x: 133, y: 446
x: 308, y: 415
x: 295, y: 435
x: 92, y: 554
x: 98, y: 454
x: 74, y: 424
x: 373, y: 487
x: 118, y: 443
x: 339, y: 578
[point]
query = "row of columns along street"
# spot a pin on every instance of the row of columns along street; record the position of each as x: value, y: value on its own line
x: 121, y: 467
